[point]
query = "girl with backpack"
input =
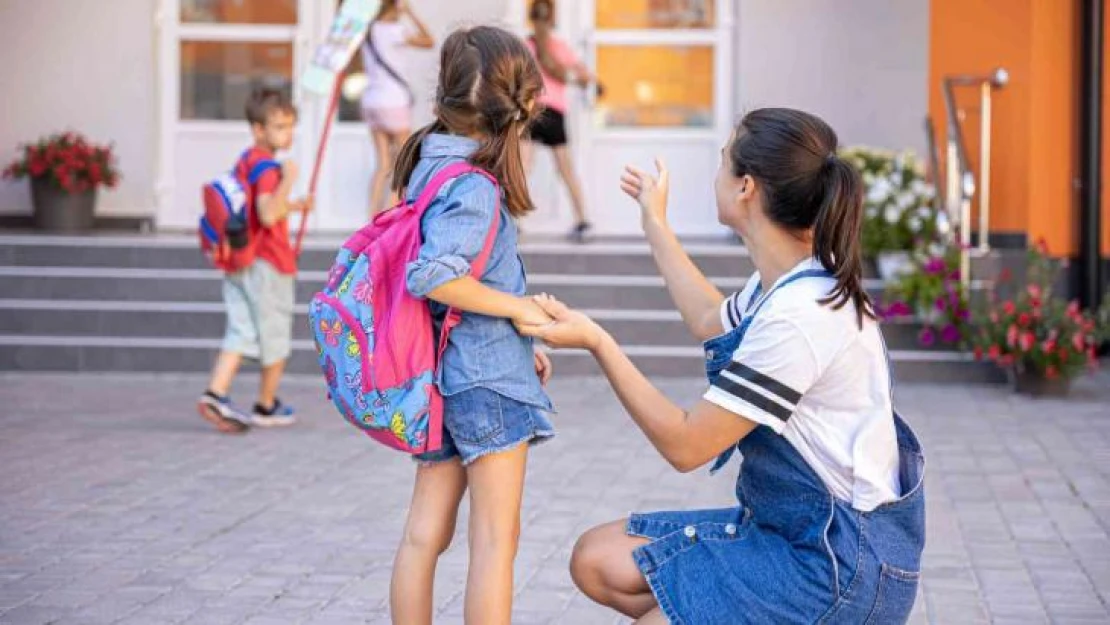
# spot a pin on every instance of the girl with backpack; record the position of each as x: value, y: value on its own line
x: 491, y: 377
x: 830, y: 520
x: 388, y: 100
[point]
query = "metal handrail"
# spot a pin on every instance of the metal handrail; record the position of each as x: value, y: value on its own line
x: 960, y: 186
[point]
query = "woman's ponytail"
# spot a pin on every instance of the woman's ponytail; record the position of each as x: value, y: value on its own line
x: 836, y: 235
x: 807, y: 187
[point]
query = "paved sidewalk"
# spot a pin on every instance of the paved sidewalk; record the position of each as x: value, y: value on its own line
x: 119, y: 505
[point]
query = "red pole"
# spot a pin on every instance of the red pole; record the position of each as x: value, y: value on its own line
x: 320, y: 149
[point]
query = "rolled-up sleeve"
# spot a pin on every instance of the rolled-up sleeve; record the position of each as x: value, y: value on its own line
x: 454, y: 228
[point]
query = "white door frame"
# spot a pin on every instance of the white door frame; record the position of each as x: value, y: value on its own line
x: 587, y: 38
x: 171, y: 32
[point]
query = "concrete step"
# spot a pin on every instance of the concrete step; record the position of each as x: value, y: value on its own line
x: 620, y: 257
x: 125, y: 353
x: 203, y: 285
x: 201, y: 320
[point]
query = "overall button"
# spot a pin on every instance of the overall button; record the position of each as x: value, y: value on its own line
x: 710, y: 354
x: 690, y: 531
x: 730, y: 529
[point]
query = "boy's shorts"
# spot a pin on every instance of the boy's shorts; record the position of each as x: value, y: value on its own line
x: 259, y: 302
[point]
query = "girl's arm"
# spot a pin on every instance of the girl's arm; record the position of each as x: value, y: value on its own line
x: 541, y: 40
x: 423, y: 38
x: 470, y: 295
x: 697, y: 299
x: 455, y: 231
x: 687, y: 439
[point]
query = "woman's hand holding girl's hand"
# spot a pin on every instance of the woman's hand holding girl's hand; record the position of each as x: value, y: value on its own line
x: 650, y: 192
x: 530, y: 314
x: 569, y: 328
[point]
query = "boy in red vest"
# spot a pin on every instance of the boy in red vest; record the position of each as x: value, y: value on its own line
x: 259, y: 299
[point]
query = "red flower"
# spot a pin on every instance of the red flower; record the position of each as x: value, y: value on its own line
x: 1035, y: 303
x: 1073, y: 309
x: 1026, y: 341
x: 1042, y: 246
x: 1034, y: 291
x: 1063, y: 353
x: 1078, y: 341
x: 994, y: 352
x: 1023, y: 319
x: 1008, y: 307
x: 1051, y: 373
x: 1048, y: 346
x: 978, y: 353
x: 1011, y: 336
x: 1006, y: 360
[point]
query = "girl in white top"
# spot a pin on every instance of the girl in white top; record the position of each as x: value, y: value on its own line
x: 798, y: 351
x: 387, y: 101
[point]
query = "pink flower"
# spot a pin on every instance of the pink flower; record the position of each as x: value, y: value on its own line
x: 950, y: 334
x: 1078, y: 341
x: 1026, y: 341
x: 941, y: 303
x: 364, y: 292
x: 927, y: 337
x: 1034, y: 291
x: 1012, y: 336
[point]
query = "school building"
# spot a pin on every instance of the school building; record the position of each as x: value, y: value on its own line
x: 165, y: 81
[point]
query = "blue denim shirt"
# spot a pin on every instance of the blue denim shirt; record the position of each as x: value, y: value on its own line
x: 482, y: 351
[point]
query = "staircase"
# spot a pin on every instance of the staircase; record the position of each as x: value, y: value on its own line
x: 150, y: 303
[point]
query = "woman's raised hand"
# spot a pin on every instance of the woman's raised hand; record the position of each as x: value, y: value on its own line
x: 570, y: 328
x: 650, y: 192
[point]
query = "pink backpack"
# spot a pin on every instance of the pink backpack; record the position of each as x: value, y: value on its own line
x: 374, y: 341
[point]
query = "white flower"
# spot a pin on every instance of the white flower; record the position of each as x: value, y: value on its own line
x: 878, y: 191
x: 891, y: 214
x: 943, y: 227
x: 915, y: 224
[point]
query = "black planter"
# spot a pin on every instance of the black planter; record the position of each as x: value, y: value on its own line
x: 58, y: 211
x: 1036, y: 385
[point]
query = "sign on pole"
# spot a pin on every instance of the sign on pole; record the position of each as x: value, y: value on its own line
x: 348, y: 31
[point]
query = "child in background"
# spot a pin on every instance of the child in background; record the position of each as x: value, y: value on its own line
x: 259, y: 299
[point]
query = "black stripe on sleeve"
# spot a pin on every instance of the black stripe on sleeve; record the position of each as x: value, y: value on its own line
x: 733, y: 309
x: 754, y: 398
x: 770, y: 384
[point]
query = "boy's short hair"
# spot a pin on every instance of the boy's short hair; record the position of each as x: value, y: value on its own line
x: 265, y: 101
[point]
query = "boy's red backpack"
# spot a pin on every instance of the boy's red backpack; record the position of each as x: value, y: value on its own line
x: 225, y: 228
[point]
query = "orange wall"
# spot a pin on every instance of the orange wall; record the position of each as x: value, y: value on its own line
x: 1106, y: 142
x: 1034, y: 128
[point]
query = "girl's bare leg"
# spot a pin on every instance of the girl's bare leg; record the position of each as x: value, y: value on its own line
x: 496, y: 485
x: 428, y: 530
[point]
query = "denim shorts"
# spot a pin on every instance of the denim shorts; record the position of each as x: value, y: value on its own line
x: 259, y: 302
x: 478, y: 422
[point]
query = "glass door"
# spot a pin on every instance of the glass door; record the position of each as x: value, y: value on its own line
x: 665, y: 67
x: 213, y: 54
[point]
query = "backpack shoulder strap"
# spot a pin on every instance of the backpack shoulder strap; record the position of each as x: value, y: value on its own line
x: 260, y: 168
x: 478, y: 267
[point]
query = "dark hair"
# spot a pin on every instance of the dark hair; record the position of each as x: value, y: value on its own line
x: 265, y: 101
x: 806, y: 185
x: 541, y: 10
x: 488, y: 84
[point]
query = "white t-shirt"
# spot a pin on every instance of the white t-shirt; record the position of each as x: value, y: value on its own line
x: 382, y: 89
x: 812, y: 375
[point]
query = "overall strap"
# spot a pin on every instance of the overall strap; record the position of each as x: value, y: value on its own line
x: 478, y: 267
x: 260, y: 168
x: 756, y: 302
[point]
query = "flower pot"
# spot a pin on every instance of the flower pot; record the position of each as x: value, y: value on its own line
x: 893, y: 265
x: 58, y: 211
x: 1034, y: 384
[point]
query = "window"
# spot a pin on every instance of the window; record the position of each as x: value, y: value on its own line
x: 217, y: 77
x: 282, y: 12
x: 656, y: 85
x: 653, y: 14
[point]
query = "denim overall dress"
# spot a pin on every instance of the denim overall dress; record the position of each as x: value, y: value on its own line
x: 790, y: 552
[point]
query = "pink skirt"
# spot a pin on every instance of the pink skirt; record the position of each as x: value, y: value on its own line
x: 391, y: 119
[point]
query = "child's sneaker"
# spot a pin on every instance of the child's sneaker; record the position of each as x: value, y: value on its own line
x: 218, y: 411
x: 278, y: 415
